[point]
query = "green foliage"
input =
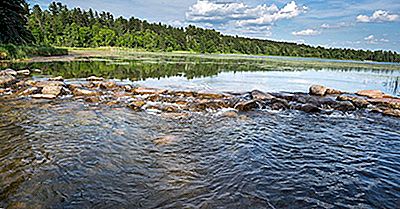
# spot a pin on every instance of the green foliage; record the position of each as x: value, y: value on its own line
x: 60, y: 26
x: 13, y: 19
x: 10, y: 51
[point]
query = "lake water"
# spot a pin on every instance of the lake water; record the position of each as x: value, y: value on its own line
x: 71, y: 154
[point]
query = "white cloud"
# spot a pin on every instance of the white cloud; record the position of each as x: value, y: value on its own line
x: 307, y: 32
x: 378, y: 16
x: 371, y: 39
x: 241, y: 14
x: 335, y: 26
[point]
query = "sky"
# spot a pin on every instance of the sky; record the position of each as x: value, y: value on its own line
x: 358, y: 24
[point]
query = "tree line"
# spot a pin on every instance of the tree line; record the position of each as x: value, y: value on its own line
x: 60, y: 26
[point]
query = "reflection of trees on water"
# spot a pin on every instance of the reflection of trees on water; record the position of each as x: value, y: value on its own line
x: 393, y: 85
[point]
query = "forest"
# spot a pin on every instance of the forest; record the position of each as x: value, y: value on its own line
x: 60, y: 26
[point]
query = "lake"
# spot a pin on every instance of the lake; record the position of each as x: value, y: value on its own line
x: 72, y: 154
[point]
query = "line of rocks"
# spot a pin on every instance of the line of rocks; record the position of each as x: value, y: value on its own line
x: 320, y: 99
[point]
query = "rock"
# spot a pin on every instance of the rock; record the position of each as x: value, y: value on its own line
x: 229, y: 113
x: 92, y: 99
x: 259, y: 95
x: 387, y: 102
x: 2, y: 91
x: 84, y: 92
x: 73, y: 86
x: 6, y: 80
x: 164, y: 140
x: 24, y: 72
x: 42, y: 84
x: 108, y: 85
x: 8, y: 72
x: 182, y: 93
x: 52, y: 90
x: 392, y: 112
x: 279, y: 104
x: 136, y: 105
x: 333, y: 91
x: 127, y: 88
x: 207, y: 95
x: 37, y: 70
x: 112, y: 103
x: 174, y: 115
x: 43, y: 96
x: 318, y: 90
x: 94, y: 78
x: 374, y: 94
x: 246, y: 105
x: 143, y: 91
x: 310, y: 108
x: 327, y: 101
x: 58, y: 78
x: 357, y: 101
x: 29, y: 91
x: 344, y: 106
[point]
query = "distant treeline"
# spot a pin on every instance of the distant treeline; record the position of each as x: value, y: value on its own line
x: 60, y: 26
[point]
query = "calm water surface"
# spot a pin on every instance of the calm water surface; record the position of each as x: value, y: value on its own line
x: 70, y: 154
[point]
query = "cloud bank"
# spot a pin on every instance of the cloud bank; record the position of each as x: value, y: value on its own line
x: 378, y: 16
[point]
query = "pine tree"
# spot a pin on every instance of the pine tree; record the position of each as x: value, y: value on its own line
x: 13, y: 21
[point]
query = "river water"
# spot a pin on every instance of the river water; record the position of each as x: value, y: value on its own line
x: 71, y: 154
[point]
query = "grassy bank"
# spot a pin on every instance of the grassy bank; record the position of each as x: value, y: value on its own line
x: 11, y: 52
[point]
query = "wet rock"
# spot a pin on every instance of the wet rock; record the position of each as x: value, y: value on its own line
x: 333, y: 91
x: 24, y: 72
x: 42, y: 84
x: 357, y: 101
x: 310, y: 108
x: 229, y: 113
x: 374, y: 94
x: 43, y: 96
x: 94, y: 78
x: 8, y: 72
x: 30, y: 91
x: 247, y: 105
x: 259, y: 95
x: 113, y: 103
x: 108, y: 85
x: 6, y: 80
x: 52, y: 90
x: 174, y: 115
x: 318, y: 90
x: 84, y: 92
x: 206, y: 95
x: 392, y: 112
x: 344, y: 106
x: 279, y: 104
x: 144, y: 91
x: 136, y: 105
x: 92, y: 99
x: 73, y: 86
x: 58, y: 78
x: 182, y: 93
x: 387, y: 102
x: 327, y: 101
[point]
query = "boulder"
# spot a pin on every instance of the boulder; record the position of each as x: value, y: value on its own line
x: 42, y: 84
x: 310, y: 108
x: 246, y: 105
x: 52, y: 90
x: 344, y: 106
x: 357, y: 101
x: 94, y: 78
x: 279, y: 104
x: 73, y: 86
x: 318, y: 90
x: 8, y: 72
x: 207, y: 95
x: 259, y: 95
x: 333, y: 91
x: 229, y: 113
x: 6, y: 80
x: 374, y: 94
x: 43, y: 96
x: 30, y: 91
x: 84, y: 92
x: 108, y: 85
x: 136, y: 105
x: 387, y: 102
x: 24, y: 72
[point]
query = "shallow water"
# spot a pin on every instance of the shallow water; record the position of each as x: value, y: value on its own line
x: 71, y: 154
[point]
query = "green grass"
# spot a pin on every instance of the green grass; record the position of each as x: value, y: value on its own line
x: 12, y: 52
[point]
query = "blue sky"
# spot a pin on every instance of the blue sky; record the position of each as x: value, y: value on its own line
x: 360, y: 24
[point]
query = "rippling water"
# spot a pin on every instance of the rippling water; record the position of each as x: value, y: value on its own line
x: 74, y: 155
x: 71, y: 154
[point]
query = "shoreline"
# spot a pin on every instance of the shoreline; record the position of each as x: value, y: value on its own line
x: 319, y: 100
x: 87, y: 54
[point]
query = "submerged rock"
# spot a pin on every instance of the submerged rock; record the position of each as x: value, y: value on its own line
x: 229, y: 113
